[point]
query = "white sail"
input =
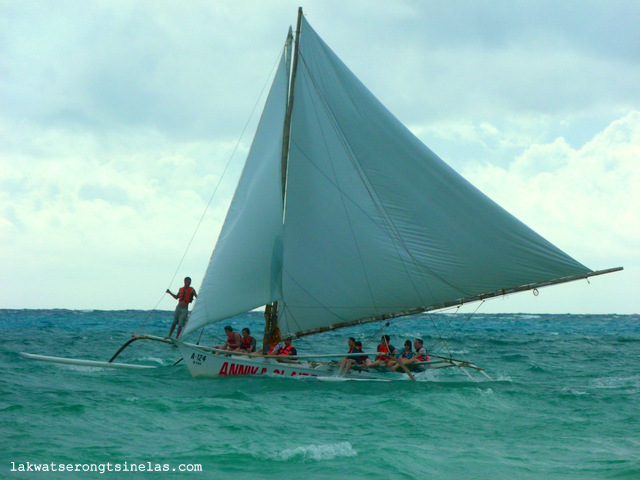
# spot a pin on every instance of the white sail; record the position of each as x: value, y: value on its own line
x: 245, y: 267
x: 375, y: 222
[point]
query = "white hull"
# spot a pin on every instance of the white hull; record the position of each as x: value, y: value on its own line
x: 202, y: 363
x: 207, y: 364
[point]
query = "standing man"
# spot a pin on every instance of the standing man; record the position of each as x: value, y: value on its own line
x: 185, y: 296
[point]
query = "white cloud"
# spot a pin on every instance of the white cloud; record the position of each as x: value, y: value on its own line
x: 119, y: 117
x: 78, y: 213
x: 583, y: 200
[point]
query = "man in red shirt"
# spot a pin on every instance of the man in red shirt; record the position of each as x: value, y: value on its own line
x: 185, y: 296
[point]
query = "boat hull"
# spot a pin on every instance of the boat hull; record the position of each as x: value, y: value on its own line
x: 206, y: 364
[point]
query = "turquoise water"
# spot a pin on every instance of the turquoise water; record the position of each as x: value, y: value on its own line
x: 563, y: 404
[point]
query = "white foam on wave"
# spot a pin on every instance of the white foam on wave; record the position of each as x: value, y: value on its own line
x: 612, y: 383
x: 80, y: 368
x: 350, y: 379
x: 317, y: 452
x: 156, y: 360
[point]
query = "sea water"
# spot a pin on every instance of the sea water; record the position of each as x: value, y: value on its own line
x: 563, y: 403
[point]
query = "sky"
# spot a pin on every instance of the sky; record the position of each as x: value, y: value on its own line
x: 118, y: 120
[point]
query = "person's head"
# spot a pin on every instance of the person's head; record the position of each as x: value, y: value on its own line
x: 287, y: 341
x: 385, y: 339
x: 359, y: 344
x: 407, y: 345
x: 228, y: 329
x: 418, y: 343
x: 351, y: 341
x: 187, y: 281
x: 245, y: 332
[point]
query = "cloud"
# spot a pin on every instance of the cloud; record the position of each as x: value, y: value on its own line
x: 119, y: 118
x: 80, y: 212
x: 583, y: 200
x: 114, y: 65
x: 592, y: 189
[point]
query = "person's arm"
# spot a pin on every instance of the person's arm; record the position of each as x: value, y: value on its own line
x: 174, y: 296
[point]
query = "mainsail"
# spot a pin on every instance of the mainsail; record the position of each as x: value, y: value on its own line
x: 374, y: 223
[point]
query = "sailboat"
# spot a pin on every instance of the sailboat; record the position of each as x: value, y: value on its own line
x: 343, y: 217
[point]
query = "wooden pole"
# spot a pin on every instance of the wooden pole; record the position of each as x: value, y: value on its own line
x: 459, y: 301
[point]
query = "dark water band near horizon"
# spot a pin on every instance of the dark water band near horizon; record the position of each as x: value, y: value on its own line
x: 563, y: 404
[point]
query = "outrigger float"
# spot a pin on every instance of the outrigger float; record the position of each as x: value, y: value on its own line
x: 343, y: 217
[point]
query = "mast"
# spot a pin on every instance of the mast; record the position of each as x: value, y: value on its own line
x: 287, y: 119
x: 271, y: 332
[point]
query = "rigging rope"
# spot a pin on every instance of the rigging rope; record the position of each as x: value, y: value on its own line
x: 441, y: 333
x: 380, y: 331
x: 454, y: 333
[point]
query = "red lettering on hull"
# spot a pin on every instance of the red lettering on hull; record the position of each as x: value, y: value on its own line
x: 236, y: 369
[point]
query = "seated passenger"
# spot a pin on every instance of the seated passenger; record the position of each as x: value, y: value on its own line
x: 274, y: 342
x: 361, y: 360
x: 407, y: 352
x: 348, y: 361
x: 287, y: 349
x: 274, y: 348
x: 421, y: 352
x: 421, y: 355
x: 233, y: 340
x: 247, y: 343
x: 386, y: 353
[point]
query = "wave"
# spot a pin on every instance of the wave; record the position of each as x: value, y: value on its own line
x: 617, y: 383
x: 348, y: 379
x: 317, y: 452
x: 515, y: 341
x: 150, y: 359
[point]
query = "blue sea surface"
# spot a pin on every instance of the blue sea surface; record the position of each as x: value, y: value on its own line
x: 563, y: 403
